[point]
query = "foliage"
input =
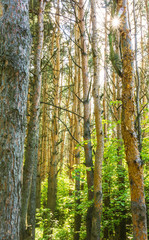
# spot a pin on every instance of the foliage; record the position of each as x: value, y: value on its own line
x: 115, y: 188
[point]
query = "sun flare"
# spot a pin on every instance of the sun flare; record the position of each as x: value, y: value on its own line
x: 115, y: 22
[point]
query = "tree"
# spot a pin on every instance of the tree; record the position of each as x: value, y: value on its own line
x: 87, y: 113
x: 135, y: 165
x: 77, y: 85
x: 33, y: 125
x: 15, y: 43
x: 147, y: 16
x: 97, y: 211
x: 52, y: 178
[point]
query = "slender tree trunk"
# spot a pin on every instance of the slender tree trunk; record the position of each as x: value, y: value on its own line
x: 106, y: 197
x: 138, y: 120
x: 143, y: 82
x: 133, y: 159
x: 44, y: 130
x: 96, y: 219
x: 52, y: 178
x: 87, y: 113
x: 14, y: 70
x: 77, y: 220
x: 72, y: 119
x: 121, y: 229
x: 33, y: 127
x: 32, y: 202
x: 147, y: 15
x: 38, y: 179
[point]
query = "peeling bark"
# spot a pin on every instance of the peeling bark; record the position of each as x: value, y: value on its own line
x: 133, y: 159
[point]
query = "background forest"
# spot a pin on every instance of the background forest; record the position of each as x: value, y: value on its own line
x: 87, y: 121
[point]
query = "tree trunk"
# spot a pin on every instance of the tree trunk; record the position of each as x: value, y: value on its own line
x: 32, y: 202
x: 52, y: 178
x: 106, y: 197
x: 121, y: 228
x: 96, y: 218
x: 133, y: 159
x: 38, y: 179
x: 87, y: 113
x: 33, y: 126
x: 147, y: 16
x: 138, y: 119
x: 77, y: 83
x: 14, y: 70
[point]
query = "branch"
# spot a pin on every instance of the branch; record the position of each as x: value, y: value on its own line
x: 78, y: 97
x: 49, y: 60
x: 69, y: 132
x: 74, y: 60
x: 65, y: 109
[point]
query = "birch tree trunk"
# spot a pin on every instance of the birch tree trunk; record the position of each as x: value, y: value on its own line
x: 133, y: 159
x: 96, y: 218
x: 14, y: 71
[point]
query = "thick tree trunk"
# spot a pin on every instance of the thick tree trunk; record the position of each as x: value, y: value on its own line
x: 129, y: 135
x: 87, y: 112
x: 33, y: 126
x: 96, y: 219
x: 14, y: 68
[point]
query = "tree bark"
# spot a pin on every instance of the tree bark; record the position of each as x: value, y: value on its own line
x: 97, y: 211
x: 87, y: 113
x: 121, y: 228
x: 32, y: 203
x: 138, y: 119
x: 15, y: 44
x: 133, y: 159
x: 77, y: 84
x: 33, y: 126
x: 147, y: 16
x: 52, y: 178
x: 106, y: 193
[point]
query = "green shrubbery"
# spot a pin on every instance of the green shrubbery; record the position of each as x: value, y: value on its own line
x: 116, y: 196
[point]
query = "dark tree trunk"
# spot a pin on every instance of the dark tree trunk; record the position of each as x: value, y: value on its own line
x: 15, y: 44
x: 121, y: 227
x: 32, y: 202
x: 33, y: 125
x: 87, y: 113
